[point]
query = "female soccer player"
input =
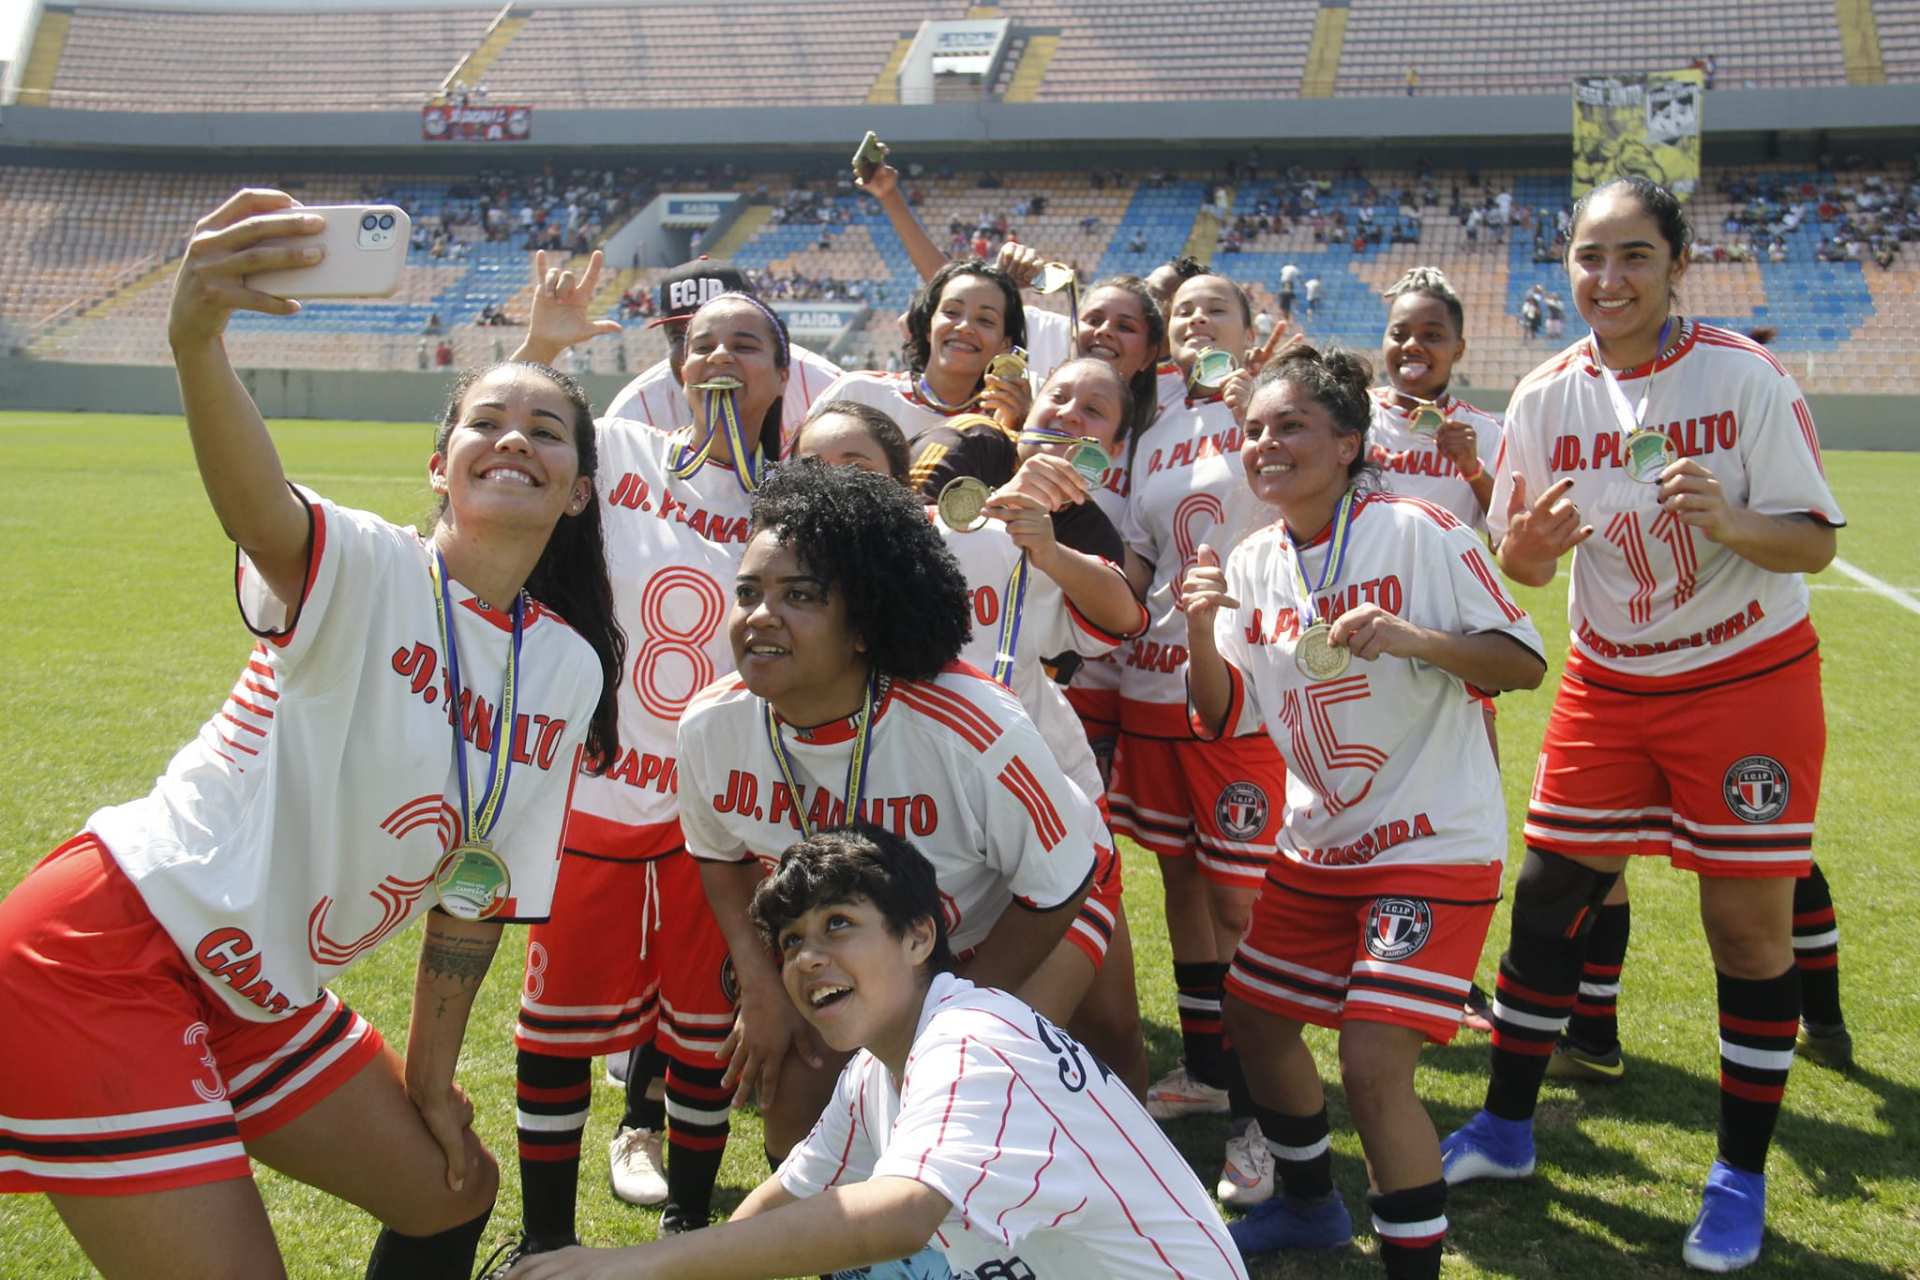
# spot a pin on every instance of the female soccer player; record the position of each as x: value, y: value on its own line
x: 1045, y: 602
x: 1374, y: 910
x: 1209, y: 810
x: 964, y: 317
x: 356, y: 776
x: 1426, y: 441
x: 632, y: 948
x: 968, y: 1118
x: 848, y: 613
x: 1678, y: 462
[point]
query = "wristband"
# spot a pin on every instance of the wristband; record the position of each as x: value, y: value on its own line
x: 1479, y: 469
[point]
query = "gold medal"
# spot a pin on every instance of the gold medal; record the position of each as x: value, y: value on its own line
x: 961, y: 501
x: 1011, y: 365
x: 1427, y: 421
x: 1211, y: 368
x: 472, y: 882
x: 1647, y: 454
x: 720, y: 382
x: 1091, y: 461
x: 1317, y: 656
x: 1053, y: 277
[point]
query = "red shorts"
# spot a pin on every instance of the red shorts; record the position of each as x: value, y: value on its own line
x: 626, y: 940
x: 1099, y: 712
x: 126, y: 1073
x: 1391, y: 951
x: 1220, y: 799
x: 1721, y: 776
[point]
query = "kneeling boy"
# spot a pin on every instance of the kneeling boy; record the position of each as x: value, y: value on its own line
x: 970, y: 1120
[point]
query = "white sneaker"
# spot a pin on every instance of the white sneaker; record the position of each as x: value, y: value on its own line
x: 1246, y: 1178
x: 634, y: 1167
x: 1179, y: 1094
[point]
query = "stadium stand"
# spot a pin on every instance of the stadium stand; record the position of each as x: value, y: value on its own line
x: 676, y: 53
x: 85, y: 251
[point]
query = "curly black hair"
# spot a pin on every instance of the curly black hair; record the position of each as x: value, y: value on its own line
x: 844, y: 863
x: 867, y: 537
x: 918, y: 347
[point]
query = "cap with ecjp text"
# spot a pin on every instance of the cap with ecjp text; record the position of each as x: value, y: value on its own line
x: 690, y: 284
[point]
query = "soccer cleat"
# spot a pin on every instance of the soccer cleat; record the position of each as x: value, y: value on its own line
x: 1179, y: 1094
x: 1733, y: 1218
x: 633, y: 1166
x: 502, y: 1260
x: 1487, y: 1147
x: 1476, y: 1013
x: 1286, y: 1223
x: 1831, y: 1047
x: 1573, y: 1061
x: 1246, y: 1178
x: 676, y: 1221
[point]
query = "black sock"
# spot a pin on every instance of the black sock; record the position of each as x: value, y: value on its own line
x: 648, y: 1064
x: 1302, y: 1151
x: 1816, y: 950
x: 554, y: 1096
x: 1595, y: 1023
x: 1538, y: 979
x: 1201, y: 1038
x: 1758, y: 1019
x: 446, y: 1256
x: 1412, y: 1227
x: 697, y: 1128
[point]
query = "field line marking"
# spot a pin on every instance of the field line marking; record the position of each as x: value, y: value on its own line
x: 1904, y: 599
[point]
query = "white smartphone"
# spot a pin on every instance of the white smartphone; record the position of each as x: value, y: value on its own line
x: 366, y: 248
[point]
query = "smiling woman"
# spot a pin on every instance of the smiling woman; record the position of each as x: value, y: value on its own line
x: 337, y: 776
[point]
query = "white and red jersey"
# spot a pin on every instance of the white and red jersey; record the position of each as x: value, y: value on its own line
x: 1049, y: 342
x: 954, y: 765
x: 673, y: 550
x: 898, y: 396
x: 302, y: 827
x: 655, y: 396
x: 1049, y: 625
x: 1414, y: 465
x: 1052, y: 1167
x: 1387, y: 764
x: 1187, y: 487
x: 1650, y: 595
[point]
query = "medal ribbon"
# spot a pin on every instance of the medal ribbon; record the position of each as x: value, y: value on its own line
x: 933, y: 401
x: 856, y: 766
x: 1013, y: 602
x: 1047, y: 436
x: 1630, y: 420
x: 479, y: 819
x: 748, y: 465
x: 1336, y: 558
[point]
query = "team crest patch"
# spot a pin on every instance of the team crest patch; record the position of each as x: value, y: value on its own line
x: 729, y: 981
x: 1241, y: 811
x: 1398, y: 927
x: 1757, y: 788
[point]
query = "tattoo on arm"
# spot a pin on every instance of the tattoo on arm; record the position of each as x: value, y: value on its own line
x: 453, y: 965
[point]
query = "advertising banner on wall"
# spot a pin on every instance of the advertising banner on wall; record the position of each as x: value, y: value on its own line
x: 1645, y: 125
x: 453, y: 123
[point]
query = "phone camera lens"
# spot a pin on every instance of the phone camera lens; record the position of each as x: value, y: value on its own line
x: 386, y: 221
x: 369, y: 222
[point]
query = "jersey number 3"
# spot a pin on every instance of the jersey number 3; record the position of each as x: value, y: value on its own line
x: 680, y: 613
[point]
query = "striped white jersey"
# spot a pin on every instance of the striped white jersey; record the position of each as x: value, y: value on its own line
x: 1053, y: 1169
x: 1412, y: 465
x: 954, y: 765
x: 1651, y: 595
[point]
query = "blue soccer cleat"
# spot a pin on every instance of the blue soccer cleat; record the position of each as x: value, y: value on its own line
x: 1733, y: 1218
x: 1286, y: 1223
x: 1487, y: 1147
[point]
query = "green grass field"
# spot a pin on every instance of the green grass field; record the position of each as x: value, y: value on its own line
x: 122, y: 638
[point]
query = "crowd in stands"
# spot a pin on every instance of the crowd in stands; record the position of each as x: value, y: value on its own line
x: 1857, y: 221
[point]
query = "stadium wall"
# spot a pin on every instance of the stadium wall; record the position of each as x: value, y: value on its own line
x: 1878, y: 422
x: 1529, y: 122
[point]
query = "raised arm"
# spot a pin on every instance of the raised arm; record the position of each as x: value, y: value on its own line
x: 883, y: 184
x: 238, y: 462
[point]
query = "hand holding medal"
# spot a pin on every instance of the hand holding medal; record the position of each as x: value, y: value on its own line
x: 1317, y: 652
x: 1692, y: 493
x: 1007, y: 391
